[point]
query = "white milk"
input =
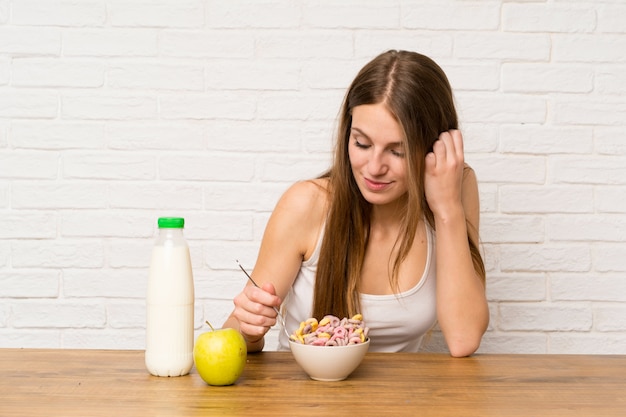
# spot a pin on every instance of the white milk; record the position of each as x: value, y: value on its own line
x: 169, y: 306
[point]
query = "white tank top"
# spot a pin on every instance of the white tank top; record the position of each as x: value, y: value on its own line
x: 397, y: 322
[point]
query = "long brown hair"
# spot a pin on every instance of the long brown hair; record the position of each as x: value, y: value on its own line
x: 417, y: 92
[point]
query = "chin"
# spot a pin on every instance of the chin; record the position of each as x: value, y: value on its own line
x: 379, y: 200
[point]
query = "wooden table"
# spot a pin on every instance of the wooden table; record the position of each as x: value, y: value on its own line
x: 115, y: 384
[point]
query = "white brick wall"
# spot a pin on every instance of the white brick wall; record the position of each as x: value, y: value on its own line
x: 116, y: 112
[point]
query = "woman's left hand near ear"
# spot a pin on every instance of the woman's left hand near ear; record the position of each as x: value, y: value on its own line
x: 443, y: 173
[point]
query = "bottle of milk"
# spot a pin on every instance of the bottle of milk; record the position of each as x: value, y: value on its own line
x: 170, y: 303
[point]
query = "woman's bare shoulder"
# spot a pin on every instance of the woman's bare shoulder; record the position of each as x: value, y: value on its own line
x: 298, y: 217
x: 470, y: 182
x: 471, y: 200
x: 306, y: 197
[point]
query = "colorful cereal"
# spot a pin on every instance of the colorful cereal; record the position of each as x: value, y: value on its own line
x: 331, y: 331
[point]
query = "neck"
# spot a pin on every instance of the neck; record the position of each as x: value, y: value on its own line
x: 388, y: 216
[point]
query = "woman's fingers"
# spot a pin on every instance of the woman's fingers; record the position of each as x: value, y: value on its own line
x: 254, y: 309
x: 450, y: 143
x: 447, y: 149
x: 457, y: 140
x: 261, y: 300
x: 444, y: 171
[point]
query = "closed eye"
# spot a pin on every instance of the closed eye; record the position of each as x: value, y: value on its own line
x: 360, y: 145
x: 397, y: 153
x: 362, y: 141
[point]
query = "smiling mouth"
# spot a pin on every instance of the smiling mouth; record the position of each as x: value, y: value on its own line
x: 376, y: 185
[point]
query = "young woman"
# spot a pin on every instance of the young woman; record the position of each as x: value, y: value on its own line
x: 390, y: 231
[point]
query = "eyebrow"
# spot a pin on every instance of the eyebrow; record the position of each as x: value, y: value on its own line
x: 359, y: 131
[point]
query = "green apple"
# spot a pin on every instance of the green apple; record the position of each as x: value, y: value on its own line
x: 220, y: 356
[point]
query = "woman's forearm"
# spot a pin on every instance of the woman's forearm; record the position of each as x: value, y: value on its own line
x: 462, y: 309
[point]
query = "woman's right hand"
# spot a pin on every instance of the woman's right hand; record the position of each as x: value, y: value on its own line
x: 254, y: 311
x: 290, y: 237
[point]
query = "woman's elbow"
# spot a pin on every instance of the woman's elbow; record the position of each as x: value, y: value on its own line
x: 463, y: 349
x: 464, y: 345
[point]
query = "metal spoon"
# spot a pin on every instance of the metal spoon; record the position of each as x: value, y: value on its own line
x: 280, y: 316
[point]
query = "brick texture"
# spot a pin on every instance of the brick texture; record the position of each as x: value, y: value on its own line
x: 116, y: 112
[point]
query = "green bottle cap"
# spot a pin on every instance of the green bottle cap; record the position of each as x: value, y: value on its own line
x: 171, y: 222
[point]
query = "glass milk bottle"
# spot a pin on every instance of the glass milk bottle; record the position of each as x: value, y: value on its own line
x: 170, y: 303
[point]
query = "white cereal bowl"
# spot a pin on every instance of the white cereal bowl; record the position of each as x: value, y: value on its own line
x: 329, y: 363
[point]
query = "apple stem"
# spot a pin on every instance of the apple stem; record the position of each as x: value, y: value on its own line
x: 212, y: 329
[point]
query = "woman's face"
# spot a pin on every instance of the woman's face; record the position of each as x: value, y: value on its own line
x: 377, y: 154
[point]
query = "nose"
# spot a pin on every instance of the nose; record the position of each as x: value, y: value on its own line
x: 377, y: 165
